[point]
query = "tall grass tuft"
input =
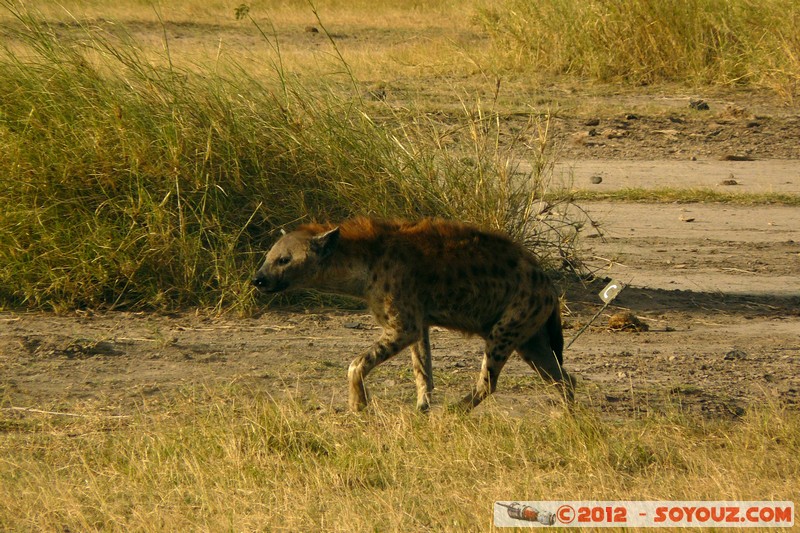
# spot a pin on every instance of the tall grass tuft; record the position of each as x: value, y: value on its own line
x: 232, y: 460
x: 133, y: 182
x: 646, y: 41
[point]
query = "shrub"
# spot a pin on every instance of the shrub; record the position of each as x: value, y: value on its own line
x: 646, y: 41
x: 136, y: 183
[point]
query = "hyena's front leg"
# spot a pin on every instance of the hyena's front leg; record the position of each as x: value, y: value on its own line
x: 423, y: 370
x: 390, y: 343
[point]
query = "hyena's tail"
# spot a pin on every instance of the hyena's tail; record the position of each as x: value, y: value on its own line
x: 555, y: 334
x: 544, y: 352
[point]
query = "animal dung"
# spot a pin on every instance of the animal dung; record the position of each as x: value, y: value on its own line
x: 626, y: 321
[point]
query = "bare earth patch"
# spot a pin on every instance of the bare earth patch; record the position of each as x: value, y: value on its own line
x: 731, y: 177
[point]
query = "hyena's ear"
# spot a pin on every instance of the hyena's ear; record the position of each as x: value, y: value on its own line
x: 325, y: 243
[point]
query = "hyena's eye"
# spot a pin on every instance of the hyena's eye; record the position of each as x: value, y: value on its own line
x: 283, y: 261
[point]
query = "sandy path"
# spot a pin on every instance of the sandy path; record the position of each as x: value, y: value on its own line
x: 699, y: 247
x: 768, y: 176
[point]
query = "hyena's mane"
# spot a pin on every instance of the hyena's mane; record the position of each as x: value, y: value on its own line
x: 428, y: 237
x: 356, y: 229
x: 367, y: 228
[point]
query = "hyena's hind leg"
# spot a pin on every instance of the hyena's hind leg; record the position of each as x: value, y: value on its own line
x: 423, y: 370
x: 517, y: 323
x: 494, y: 359
x: 538, y: 353
x: 499, y: 344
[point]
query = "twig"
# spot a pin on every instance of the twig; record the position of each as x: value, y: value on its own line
x: 58, y: 413
x: 597, y: 314
x: 336, y: 49
x: 611, y: 261
x: 731, y: 269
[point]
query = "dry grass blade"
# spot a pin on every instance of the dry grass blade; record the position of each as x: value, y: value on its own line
x: 233, y: 460
x: 644, y: 42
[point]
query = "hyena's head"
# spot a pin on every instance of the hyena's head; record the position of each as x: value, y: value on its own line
x: 295, y: 260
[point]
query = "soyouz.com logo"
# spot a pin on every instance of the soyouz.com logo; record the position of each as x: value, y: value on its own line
x: 644, y: 514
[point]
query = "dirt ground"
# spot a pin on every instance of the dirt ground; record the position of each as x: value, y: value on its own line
x: 720, y: 294
x: 717, y: 285
x: 705, y: 352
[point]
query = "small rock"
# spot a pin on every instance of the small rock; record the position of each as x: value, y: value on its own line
x: 736, y: 410
x: 592, y: 122
x: 81, y: 348
x: 667, y: 132
x: 687, y: 219
x: 736, y: 157
x: 311, y: 29
x: 699, y: 105
x: 242, y: 11
x: 352, y: 324
x: 626, y: 321
x: 735, y: 110
x: 735, y: 354
x: 377, y: 92
x: 613, y: 133
x: 580, y: 137
x: 631, y: 116
x: 596, y: 179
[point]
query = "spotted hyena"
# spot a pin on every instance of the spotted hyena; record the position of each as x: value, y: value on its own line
x: 414, y: 275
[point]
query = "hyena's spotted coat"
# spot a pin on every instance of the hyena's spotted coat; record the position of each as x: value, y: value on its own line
x: 414, y: 275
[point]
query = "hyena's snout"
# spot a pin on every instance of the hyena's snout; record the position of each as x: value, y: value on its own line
x: 268, y: 283
x: 260, y: 281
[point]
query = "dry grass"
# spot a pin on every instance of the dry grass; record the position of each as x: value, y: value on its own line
x: 644, y: 42
x: 137, y: 183
x: 692, y: 195
x: 406, y: 41
x: 228, y: 459
x: 459, y: 45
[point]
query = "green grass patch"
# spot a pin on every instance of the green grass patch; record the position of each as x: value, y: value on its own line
x: 232, y: 460
x: 644, y: 41
x: 130, y: 182
x: 696, y: 195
